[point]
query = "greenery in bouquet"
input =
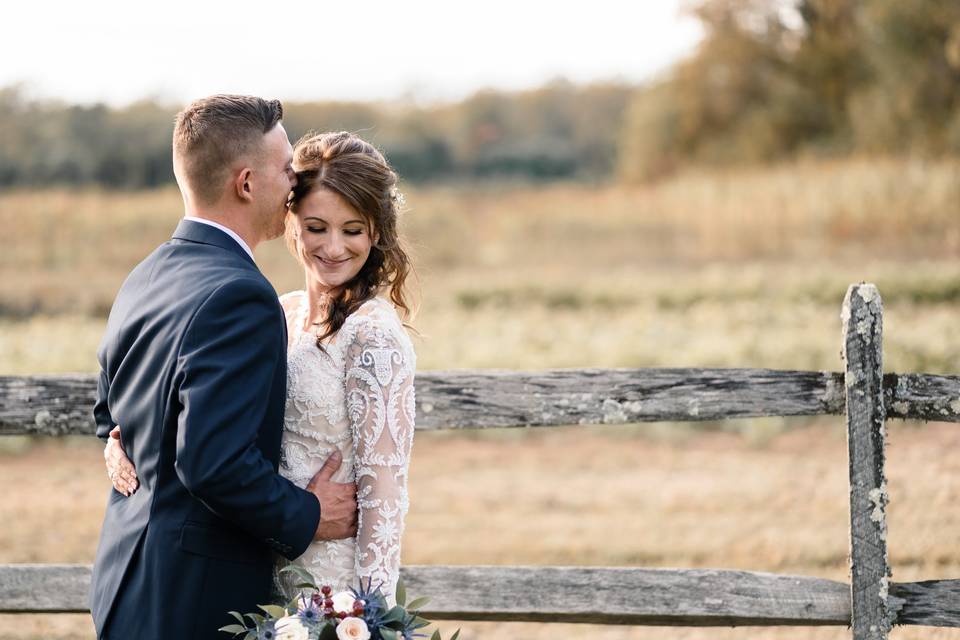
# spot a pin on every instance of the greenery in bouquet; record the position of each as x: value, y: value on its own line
x: 316, y: 613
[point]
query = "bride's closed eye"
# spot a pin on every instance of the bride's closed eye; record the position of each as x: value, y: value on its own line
x: 349, y: 232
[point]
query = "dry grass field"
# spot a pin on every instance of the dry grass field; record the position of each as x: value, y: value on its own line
x: 67, y: 252
x: 746, y: 269
x: 676, y: 498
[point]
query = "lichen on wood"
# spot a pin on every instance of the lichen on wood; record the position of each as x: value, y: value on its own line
x: 862, y: 316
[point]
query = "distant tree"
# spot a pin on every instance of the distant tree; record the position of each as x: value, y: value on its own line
x: 773, y: 78
x: 913, y: 101
x: 736, y: 99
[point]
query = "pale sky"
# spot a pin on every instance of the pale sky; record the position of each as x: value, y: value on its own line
x: 118, y: 51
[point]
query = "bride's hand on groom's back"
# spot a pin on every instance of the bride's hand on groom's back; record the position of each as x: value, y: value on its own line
x: 119, y: 468
x: 338, y: 502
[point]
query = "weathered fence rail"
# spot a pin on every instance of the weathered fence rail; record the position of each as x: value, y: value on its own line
x: 601, y: 595
x: 871, y: 604
x: 63, y: 404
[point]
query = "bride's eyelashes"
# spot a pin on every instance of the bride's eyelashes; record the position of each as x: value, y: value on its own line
x: 349, y: 232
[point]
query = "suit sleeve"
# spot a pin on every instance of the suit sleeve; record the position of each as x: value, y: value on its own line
x: 101, y: 412
x: 225, y: 368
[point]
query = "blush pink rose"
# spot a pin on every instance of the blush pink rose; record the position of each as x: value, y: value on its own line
x: 352, y: 629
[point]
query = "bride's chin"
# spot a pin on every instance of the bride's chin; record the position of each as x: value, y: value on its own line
x: 322, y: 283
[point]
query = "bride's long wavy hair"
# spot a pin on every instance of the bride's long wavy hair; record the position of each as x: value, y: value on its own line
x: 359, y: 173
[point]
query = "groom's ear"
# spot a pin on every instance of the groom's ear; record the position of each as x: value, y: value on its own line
x: 243, y: 185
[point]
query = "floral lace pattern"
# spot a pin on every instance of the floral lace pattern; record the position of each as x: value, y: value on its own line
x: 356, y: 396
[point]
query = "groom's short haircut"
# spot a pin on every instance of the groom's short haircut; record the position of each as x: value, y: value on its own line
x: 212, y: 133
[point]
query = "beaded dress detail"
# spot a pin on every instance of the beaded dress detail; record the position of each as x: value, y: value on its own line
x: 357, y: 396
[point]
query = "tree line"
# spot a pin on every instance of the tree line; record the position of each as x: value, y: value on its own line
x: 558, y: 131
x: 770, y: 79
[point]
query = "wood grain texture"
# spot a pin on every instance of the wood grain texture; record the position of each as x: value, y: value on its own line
x: 862, y: 317
x: 660, y: 597
x: 600, y: 595
x: 44, y: 588
x: 614, y: 396
x: 922, y: 396
x: 60, y: 405
x: 536, y: 594
x: 47, y: 405
x: 932, y: 603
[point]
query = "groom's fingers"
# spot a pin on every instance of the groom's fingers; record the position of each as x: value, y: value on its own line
x: 338, y: 502
x: 330, y: 466
x: 349, y: 489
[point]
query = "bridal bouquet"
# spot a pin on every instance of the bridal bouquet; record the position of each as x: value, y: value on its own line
x: 319, y: 614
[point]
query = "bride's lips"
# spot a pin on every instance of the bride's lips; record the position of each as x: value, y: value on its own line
x: 332, y: 263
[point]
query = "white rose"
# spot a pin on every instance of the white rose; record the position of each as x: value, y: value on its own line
x: 291, y: 628
x: 353, y: 629
x: 343, y: 602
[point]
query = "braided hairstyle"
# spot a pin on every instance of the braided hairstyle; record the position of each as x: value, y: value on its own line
x: 355, y: 170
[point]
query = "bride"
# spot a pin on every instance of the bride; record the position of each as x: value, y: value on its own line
x: 350, y: 362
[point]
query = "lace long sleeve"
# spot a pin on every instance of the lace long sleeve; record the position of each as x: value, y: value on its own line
x: 380, y: 403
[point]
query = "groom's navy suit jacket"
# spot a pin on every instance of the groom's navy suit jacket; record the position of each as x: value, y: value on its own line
x: 193, y: 369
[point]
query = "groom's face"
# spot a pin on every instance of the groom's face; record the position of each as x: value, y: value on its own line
x: 278, y: 179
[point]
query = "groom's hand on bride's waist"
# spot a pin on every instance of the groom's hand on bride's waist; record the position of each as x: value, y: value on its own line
x: 338, y: 502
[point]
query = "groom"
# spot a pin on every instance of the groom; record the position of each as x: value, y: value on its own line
x: 193, y: 366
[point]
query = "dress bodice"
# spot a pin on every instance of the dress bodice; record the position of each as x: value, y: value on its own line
x: 355, y: 395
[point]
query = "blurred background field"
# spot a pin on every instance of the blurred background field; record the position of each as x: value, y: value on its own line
x: 713, y: 215
x: 567, y: 275
x: 738, y: 269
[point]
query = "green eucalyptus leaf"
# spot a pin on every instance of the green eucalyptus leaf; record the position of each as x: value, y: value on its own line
x: 416, y: 604
x: 294, y: 568
x: 436, y: 635
x: 272, y: 610
x: 388, y: 634
x: 401, y: 592
x: 302, y: 574
x: 238, y: 617
x: 394, y: 615
x: 235, y: 629
x: 456, y: 634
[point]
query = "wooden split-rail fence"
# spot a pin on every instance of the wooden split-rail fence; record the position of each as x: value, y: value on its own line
x: 871, y: 604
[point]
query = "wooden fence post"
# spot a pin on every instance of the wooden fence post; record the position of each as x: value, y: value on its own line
x: 866, y: 433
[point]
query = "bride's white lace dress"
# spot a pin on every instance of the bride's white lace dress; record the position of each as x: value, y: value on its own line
x: 356, y: 396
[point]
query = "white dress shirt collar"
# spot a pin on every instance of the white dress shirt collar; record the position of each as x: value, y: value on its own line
x: 226, y: 230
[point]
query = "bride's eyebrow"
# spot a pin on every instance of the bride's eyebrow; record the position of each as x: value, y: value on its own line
x: 355, y: 220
